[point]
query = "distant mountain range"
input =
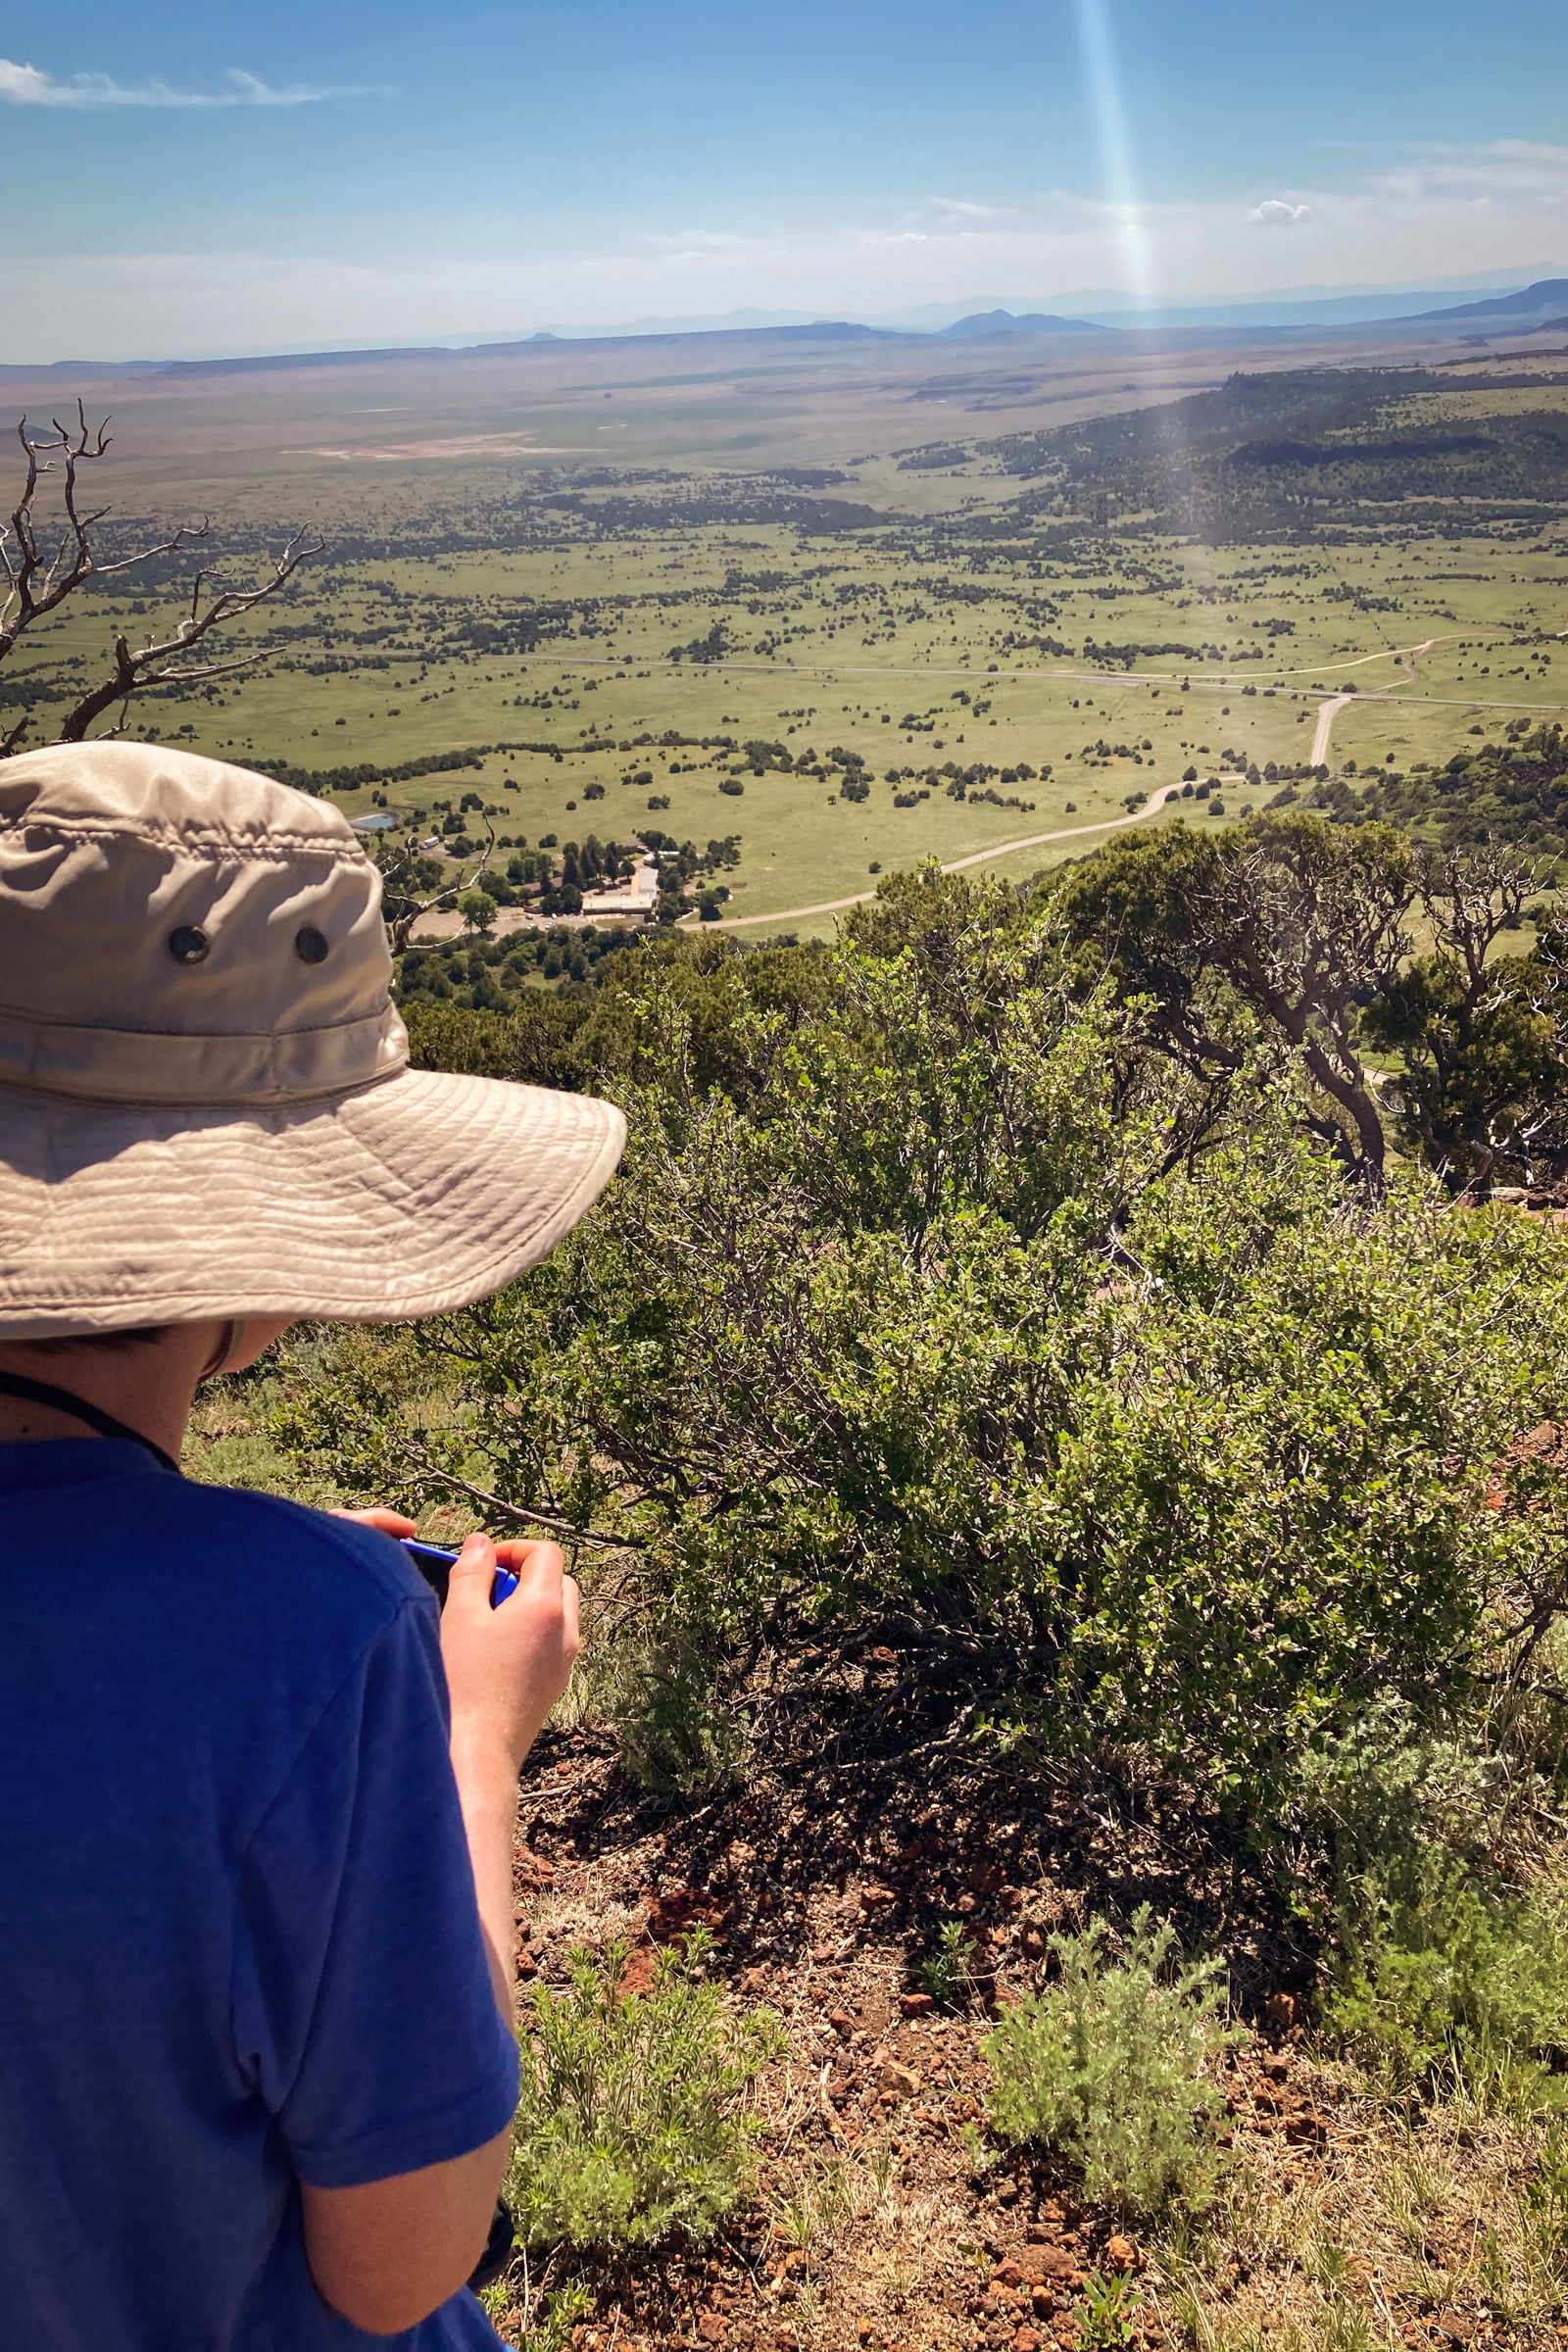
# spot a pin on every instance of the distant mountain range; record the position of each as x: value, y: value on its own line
x: 1528, y: 306
x: 825, y: 330
x: 1010, y: 322
x: 1547, y: 297
x: 1540, y: 305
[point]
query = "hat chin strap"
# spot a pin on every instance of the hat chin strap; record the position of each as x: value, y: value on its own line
x: 228, y: 1347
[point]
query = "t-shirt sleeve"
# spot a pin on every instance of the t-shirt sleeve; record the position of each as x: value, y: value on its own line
x: 365, y: 2016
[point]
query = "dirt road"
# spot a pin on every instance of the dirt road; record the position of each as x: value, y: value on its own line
x: 998, y: 849
x: 1325, y: 725
x: 1224, y: 681
x: 1404, y: 656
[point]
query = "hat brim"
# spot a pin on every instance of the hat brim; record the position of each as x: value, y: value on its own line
x: 407, y: 1197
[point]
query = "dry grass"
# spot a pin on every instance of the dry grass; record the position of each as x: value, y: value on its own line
x: 1347, y: 2222
x: 1403, y: 2228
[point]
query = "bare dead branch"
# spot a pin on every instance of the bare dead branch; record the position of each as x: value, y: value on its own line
x: 497, y: 1506
x: 1476, y: 892
x: 139, y: 671
x: 37, y: 583
x: 36, y: 578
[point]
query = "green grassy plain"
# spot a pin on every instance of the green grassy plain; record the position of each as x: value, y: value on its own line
x: 461, y: 503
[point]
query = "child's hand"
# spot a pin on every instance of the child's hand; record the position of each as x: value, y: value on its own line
x: 390, y: 1523
x: 505, y: 1666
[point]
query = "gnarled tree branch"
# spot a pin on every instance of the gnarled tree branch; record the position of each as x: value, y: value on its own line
x: 40, y: 570
x: 399, y: 875
x: 137, y: 670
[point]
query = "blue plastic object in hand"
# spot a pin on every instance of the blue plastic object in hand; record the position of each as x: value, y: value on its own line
x: 436, y: 1565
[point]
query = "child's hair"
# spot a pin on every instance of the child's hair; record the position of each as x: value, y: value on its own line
x: 110, y: 1343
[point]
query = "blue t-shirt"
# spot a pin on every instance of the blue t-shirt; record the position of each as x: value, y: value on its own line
x: 238, y: 1940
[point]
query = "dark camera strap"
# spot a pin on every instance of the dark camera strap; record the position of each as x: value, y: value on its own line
x: 43, y: 1392
x: 493, y: 2262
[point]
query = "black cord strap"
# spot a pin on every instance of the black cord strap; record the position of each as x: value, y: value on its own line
x: 43, y: 1392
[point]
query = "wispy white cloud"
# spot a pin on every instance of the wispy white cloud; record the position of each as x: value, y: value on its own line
x: 27, y: 86
x: 962, y: 208
x: 1492, y: 171
x: 696, y: 242
x: 1415, y: 216
x: 1277, y: 212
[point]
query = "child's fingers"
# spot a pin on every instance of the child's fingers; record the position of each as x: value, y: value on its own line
x: 390, y: 1523
x: 472, y: 1572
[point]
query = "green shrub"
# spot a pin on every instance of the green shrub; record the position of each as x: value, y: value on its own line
x: 676, y: 1735
x: 1545, y: 2214
x: 680, y: 1725
x: 1446, y: 1974
x: 1389, y: 1784
x: 1112, y: 2067
x: 532, y: 1040
x: 1445, y: 1969
x: 948, y: 1973
x: 634, y: 2118
x: 551, y: 2318
x: 1109, y: 2314
x: 927, y: 1286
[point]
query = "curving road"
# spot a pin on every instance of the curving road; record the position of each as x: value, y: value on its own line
x: 1329, y: 711
x: 998, y: 849
x: 1326, y: 712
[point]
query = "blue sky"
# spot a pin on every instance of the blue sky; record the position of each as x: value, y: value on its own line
x: 181, y: 178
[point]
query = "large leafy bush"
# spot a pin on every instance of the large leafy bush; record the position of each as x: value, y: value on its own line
x: 927, y: 1287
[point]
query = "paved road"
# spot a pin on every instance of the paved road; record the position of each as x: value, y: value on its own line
x: 999, y: 849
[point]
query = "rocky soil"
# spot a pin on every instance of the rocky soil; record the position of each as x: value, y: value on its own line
x: 884, y: 2220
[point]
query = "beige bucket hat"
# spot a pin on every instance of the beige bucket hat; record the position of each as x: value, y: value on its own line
x: 205, y: 1102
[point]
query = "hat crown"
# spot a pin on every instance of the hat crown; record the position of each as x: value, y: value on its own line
x: 176, y: 929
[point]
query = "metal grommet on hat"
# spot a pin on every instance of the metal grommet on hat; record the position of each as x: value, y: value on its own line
x: 189, y: 944
x: 310, y: 945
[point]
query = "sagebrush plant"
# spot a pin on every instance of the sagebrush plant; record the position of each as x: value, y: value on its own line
x: 1391, y: 1781
x: 681, y: 1726
x: 1446, y: 1974
x: 1113, y: 2066
x: 1545, y: 2214
x: 635, y: 2116
x: 677, y: 1732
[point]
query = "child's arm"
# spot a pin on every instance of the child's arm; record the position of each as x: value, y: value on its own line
x: 506, y: 1668
x: 388, y: 2253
